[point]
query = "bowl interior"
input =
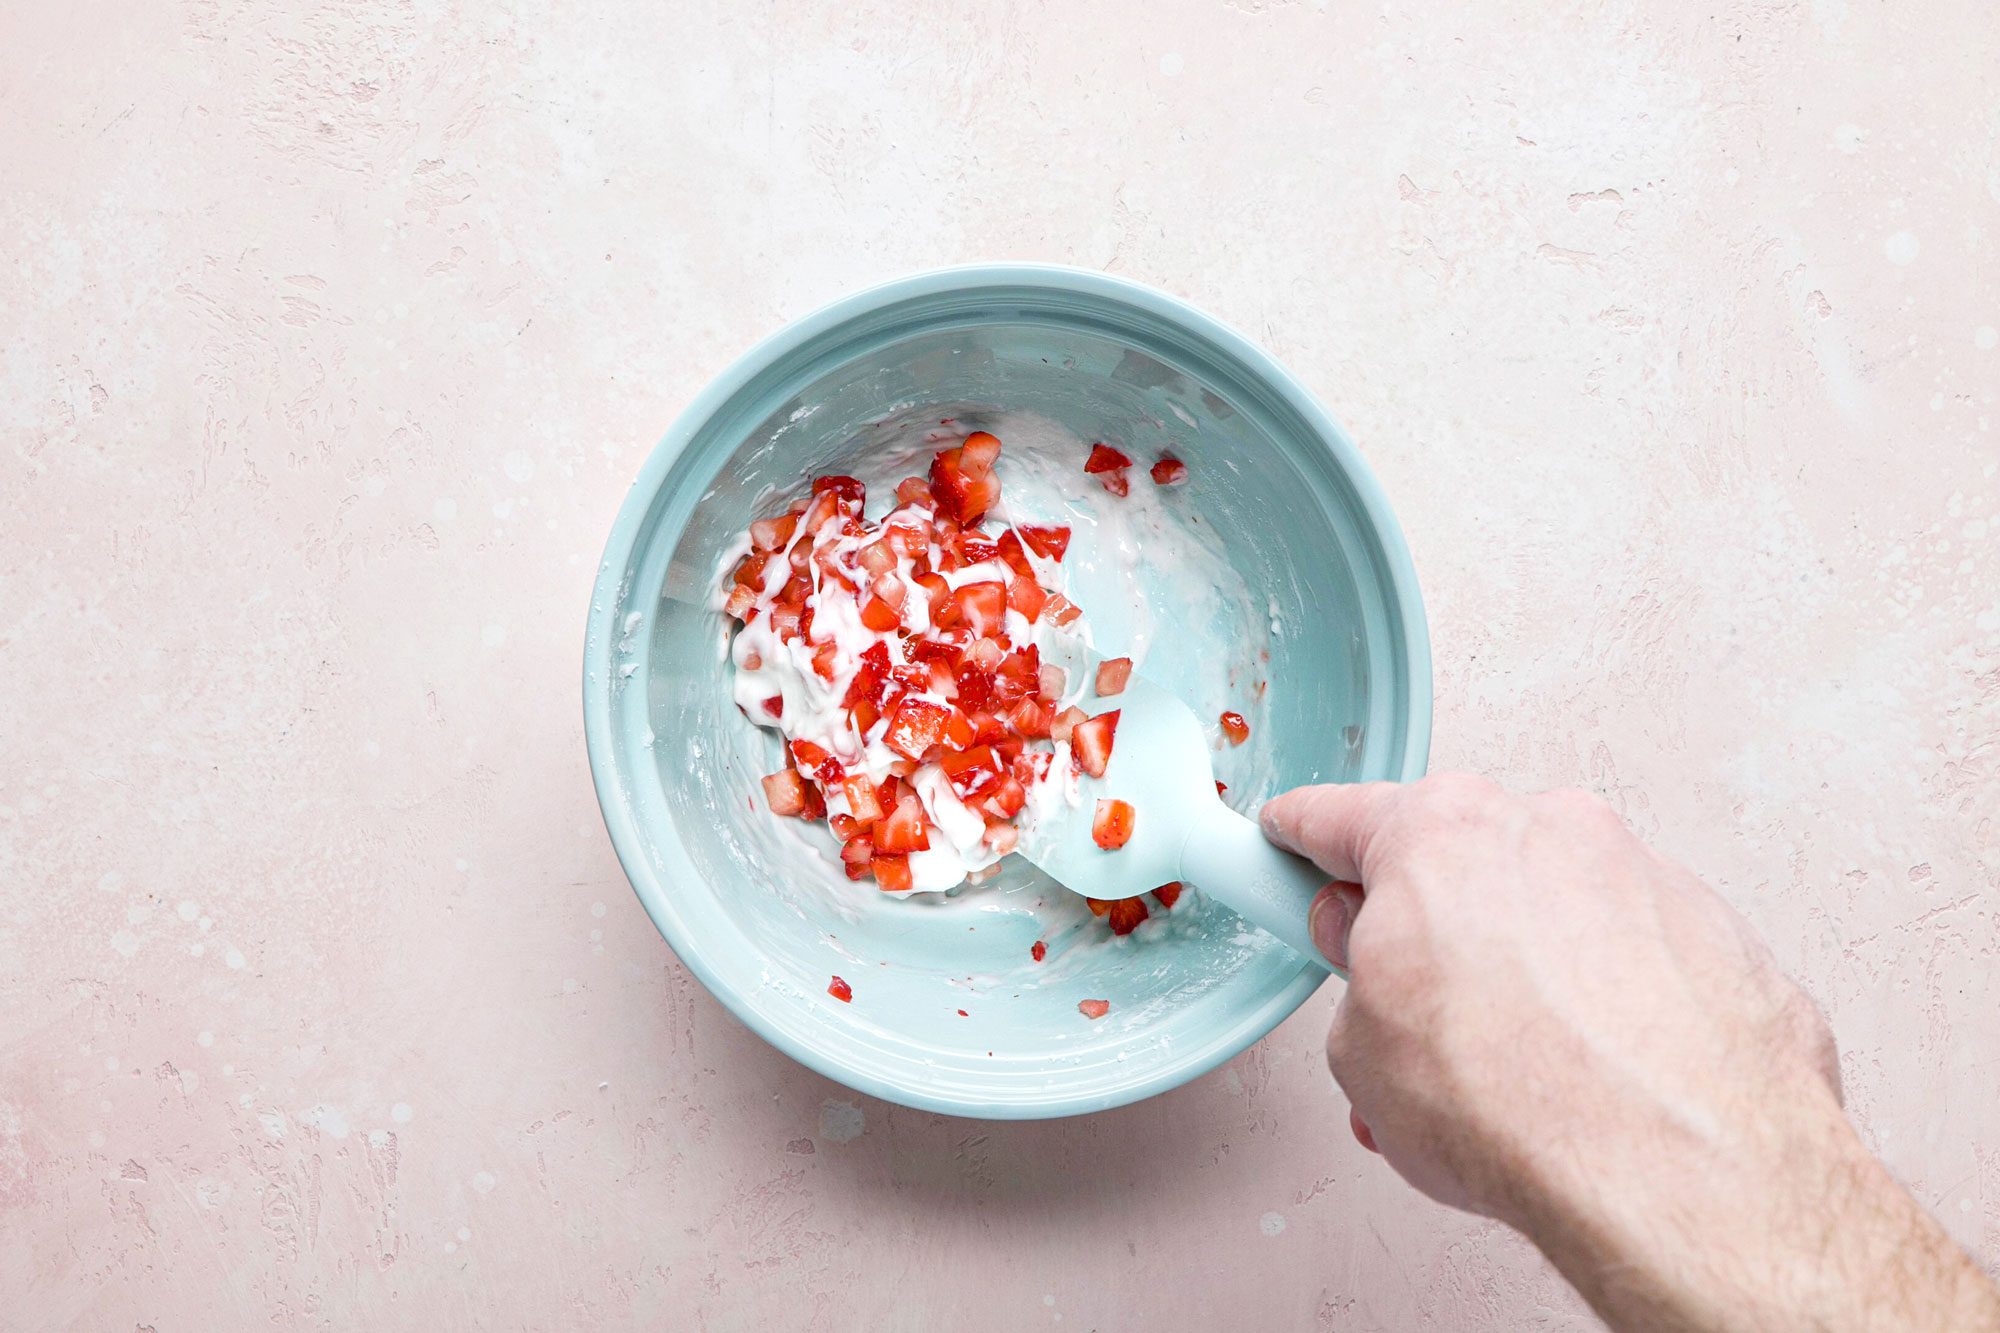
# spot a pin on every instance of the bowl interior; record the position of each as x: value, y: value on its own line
x: 758, y: 907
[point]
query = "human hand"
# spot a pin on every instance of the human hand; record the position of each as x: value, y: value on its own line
x: 1548, y: 1023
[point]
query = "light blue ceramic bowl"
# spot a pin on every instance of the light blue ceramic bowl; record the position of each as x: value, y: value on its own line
x: 761, y: 914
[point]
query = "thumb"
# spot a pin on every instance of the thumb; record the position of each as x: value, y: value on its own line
x: 1329, y: 824
x: 1331, y: 917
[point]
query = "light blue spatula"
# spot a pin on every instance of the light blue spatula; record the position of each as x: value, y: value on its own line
x: 1181, y: 829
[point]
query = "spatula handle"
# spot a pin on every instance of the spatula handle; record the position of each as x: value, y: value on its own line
x: 1228, y: 858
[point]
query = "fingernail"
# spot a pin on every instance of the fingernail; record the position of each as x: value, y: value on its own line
x: 1328, y: 923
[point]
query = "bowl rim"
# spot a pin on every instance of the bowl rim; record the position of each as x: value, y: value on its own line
x: 608, y: 603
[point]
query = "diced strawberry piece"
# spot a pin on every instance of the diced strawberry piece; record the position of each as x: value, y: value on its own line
x: 785, y: 620
x: 861, y: 798
x: 970, y: 771
x: 958, y: 730
x: 1031, y: 718
x: 1235, y: 728
x: 800, y: 556
x: 976, y: 548
x: 948, y: 647
x: 1038, y: 951
x: 823, y: 660
x: 1169, y: 471
x: 1126, y: 914
x: 889, y: 792
x: 865, y: 714
x: 879, y: 616
x: 870, y: 677
x: 1092, y: 742
x: 1002, y: 838
x: 815, y: 803
x: 1168, y: 893
x: 1050, y: 681
x: 750, y: 570
x: 1098, y: 906
x: 917, y: 676
x: 892, y: 873
x: 1103, y: 458
x: 1111, y: 825
x: 1112, y: 673
x: 796, y: 588
x: 1063, y: 726
x: 771, y: 534
x: 975, y: 689
x: 915, y: 491
x: 907, y: 537
x: 978, y: 452
x: 963, y: 494
x: 1021, y: 674
x: 1007, y: 797
x: 1093, y: 1009
x: 775, y: 705
x: 844, y: 826
x: 944, y: 611
x: 815, y: 760
x: 986, y: 653
x: 840, y: 990
x: 855, y: 855
x: 824, y: 509
x: 903, y: 830
x: 1010, y: 749
x: 878, y: 557
x: 740, y: 603
x: 1017, y: 559
x: 943, y: 682
x: 1061, y: 609
x: 916, y: 726
x: 983, y: 606
x: 1115, y: 482
x: 752, y: 662
x: 785, y: 792
x: 1046, y: 541
x: 891, y: 590
x: 847, y: 488
x: 1221, y: 788
x: 1027, y: 596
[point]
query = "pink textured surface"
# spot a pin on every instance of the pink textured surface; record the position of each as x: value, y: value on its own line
x: 329, y: 340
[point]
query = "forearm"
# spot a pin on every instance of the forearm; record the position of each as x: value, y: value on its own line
x: 1789, y: 1223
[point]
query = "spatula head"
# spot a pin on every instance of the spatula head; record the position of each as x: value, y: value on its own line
x: 1160, y: 767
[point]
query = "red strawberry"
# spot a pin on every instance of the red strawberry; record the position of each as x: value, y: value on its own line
x: 1051, y: 681
x: 840, y: 990
x: 1169, y: 471
x: 1093, y: 1009
x: 775, y: 705
x: 1168, y: 893
x: 916, y: 726
x: 741, y: 604
x: 1103, y: 458
x: 1038, y: 951
x: 1221, y: 788
x: 1031, y: 718
x: 1234, y: 727
x: 970, y: 771
x: 979, y: 452
x: 1050, y: 542
x: 983, y: 606
x: 1111, y: 826
x: 879, y: 616
x: 1126, y: 914
x: 870, y: 678
x: 1064, y: 725
x: 892, y: 873
x: 855, y: 855
x: 1027, y: 596
x: 1116, y: 482
x: 963, y: 493
x: 903, y: 830
x: 1097, y: 906
x: 861, y: 799
x: 1061, y: 609
x: 1112, y: 673
x: 771, y: 534
x: 1002, y: 838
x: 1009, y: 548
x: 750, y: 570
x: 1092, y: 740
x: 786, y: 792
x: 914, y: 491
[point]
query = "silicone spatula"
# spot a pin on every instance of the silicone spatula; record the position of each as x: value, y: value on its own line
x: 1181, y: 829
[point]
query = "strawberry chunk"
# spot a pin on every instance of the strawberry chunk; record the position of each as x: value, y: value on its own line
x: 1125, y: 915
x: 861, y: 798
x: 916, y: 726
x: 1221, y: 788
x: 1103, y: 458
x: 963, y: 494
x: 970, y: 772
x: 846, y: 488
x: 1063, y: 727
x: 775, y: 705
x: 903, y: 830
x: 1169, y: 471
x: 1093, y: 1009
x: 1112, y: 673
x: 741, y: 604
x: 915, y: 491
x: 1116, y: 482
x: 1092, y: 741
x: 983, y: 606
x: 879, y: 616
x: 1168, y: 893
x: 840, y: 990
x: 1061, y: 609
x: 785, y: 793
x: 1098, y: 906
x: 979, y: 451
x: 1027, y: 596
x: 870, y: 677
x: 855, y: 855
x: 815, y: 760
x: 1031, y: 718
x: 892, y: 873
x: 1038, y: 951
x: 1111, y: 825
x: 1051, y: 542
x: 1009, y: 549
x: 1235, y: 728
x: 771, y: 534
x: 1002, y: 838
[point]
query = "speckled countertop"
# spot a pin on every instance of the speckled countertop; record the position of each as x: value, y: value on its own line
x: 329, y: 340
